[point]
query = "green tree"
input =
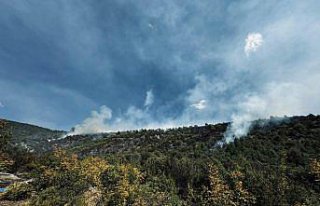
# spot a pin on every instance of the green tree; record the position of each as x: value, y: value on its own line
x: 4, y: 137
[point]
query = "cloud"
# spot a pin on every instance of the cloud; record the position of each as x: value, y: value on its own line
x: 279, y: 81
x: 253, y: 42
x: 109, y: 52
x: 1, y: 104
x: 200, y: 105
x: 149, y: 98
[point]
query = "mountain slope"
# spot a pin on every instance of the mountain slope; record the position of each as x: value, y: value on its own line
x: 277, y: 163
x: 31, y: 136
x: 274, y: 157
x: 203, y: 139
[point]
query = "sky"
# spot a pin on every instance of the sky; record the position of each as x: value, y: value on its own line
x: 128, y: 64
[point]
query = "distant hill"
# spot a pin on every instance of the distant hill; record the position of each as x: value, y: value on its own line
x: 31, y: 136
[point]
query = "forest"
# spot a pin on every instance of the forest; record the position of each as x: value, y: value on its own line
x: 277, y: 163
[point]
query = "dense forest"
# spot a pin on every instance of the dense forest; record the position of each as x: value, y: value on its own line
x: 277, y: 163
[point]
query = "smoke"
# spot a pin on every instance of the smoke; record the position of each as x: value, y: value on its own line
x: 133, y: 118
x: 277, y: 99
x: 253, y: 108
x: 281, y: 77
x: 96, y: 123
x: 102, y: 121
x: 200, y: 105
x: 253, y: 42
x: 149, y: 98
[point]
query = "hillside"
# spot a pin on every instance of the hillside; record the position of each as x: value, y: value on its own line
x: 277, y: 163
x: 31, y: 136
x: 292, y: 131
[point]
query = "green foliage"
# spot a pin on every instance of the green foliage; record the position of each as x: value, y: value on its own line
x: 18, y: 191
x: 276, y: 164
x: 5, y: 137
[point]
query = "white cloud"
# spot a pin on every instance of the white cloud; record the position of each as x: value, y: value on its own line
x: 149, y: 98
x: 202, y: 104
x: 1, y: 104
x: 253, y: 42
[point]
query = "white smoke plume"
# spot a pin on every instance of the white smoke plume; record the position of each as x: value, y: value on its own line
x: 277, y: 99
x: 253, y: 42
x: 149, y: 98
x: 253, y: 108
x: 102, y: 121
x: 133, y: 118
x: 96, y: 123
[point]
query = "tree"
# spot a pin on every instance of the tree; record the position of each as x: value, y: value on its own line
x: 315, y: 169
x: 6, y: 161
x: 4, y: 136
x: 282, y: 181
x: 122, y: 184
x: 219, y: 192
x: 92, y: 168
x: 241, y: 195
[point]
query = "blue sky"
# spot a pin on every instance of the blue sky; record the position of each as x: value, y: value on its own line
x: 124, y: 64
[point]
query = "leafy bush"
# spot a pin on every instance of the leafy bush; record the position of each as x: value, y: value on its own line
x: 17, y: 191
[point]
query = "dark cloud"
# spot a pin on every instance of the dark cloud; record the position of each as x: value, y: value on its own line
x: 68, y: 58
